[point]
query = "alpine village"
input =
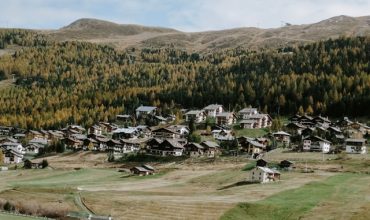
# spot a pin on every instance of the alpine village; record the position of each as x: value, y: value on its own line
x: 93, y: 131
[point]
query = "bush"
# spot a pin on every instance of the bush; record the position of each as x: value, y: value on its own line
x: 44, y: 164
x: 110, y: 157
x: 194, y: 138
x: 9, y: 207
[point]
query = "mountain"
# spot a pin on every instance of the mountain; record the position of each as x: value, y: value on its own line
x: 124, y: 36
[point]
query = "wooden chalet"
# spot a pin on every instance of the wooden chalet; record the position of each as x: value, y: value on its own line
x: 169, y: 147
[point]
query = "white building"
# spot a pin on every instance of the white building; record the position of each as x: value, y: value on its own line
x: 356, y: 146
x: 145, y: 110
x: 17, y: 147
x: 264, y: 175
x: 244, y: 113
x: 197, y: 115
x: 213, y: 110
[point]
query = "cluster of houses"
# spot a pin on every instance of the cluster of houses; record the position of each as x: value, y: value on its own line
x: 248, y: 117
x: 319, y: 134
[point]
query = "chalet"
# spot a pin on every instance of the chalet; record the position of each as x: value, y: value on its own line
x: 323, y: 121
x: 251, y: 145
x: 295, y: 128
x: 144, y: 111
x: 248, y: 123
x: 95, y: 129
x: 33, y: 148
x: 141, y: 171
x: 11, y: 156
x: 125, y: 133
x: 213, y: 110
x: 197, y: 115
x: 225, y: 118
x: 102, y: 142
x: 286, y: 164
x: 295, y: 119
x: 56, y: 135
x: 148, y: 167
x: 223, y: 134
x: 34, y: 134
x: 134, y: 145
x: 264, y: 175
x: 316, y: 144
x: 16, y: 147
x: 183, y: 130
x: 282, y: 137
x: 91, y: 144
x: 260, y: 121
x: 244, y: 113
x: 168, y: 147
x: 165, y: 133
x: 19, y: 136
x: 306, y: 121
x: 39, y: 141
x: 6, y: 131
x: 73, y: 143
x: 194, y: 149
x: 345, y: 122
x: 107, y: 127
x: 73, y: 129
x: 356, y: 146
x: 211, y: 149
x: 161, y: 120
x: 153, y: 143
x: 8, y: 139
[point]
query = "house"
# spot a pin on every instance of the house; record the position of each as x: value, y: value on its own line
x: 323, y: 121
x: 251, y: 145
x: 282, y: 137
x: 260, y: 121
x: 168, y: 147
x: 295, y: 128
x: 244, y: 113
x: 16, y: 147
x: 286, y: 164
x: 73, y: 143
x: 264, y: 175
x: 141, y: 171
x: 165, y: 133
x: 19, y: 136
x: 148, y: 167
x: 211, y: 149
x: 39, y: 141
x: 213, y: 110
x: 34, y: 134
x: 316, y: 144
x: 183, y: 130
x: 33, y: 148
x: 225, y: 118
x: 91, y: 144
x: 356, y: 146
x: 306, y: 121
x: 125, y: 133
x: 133, y: 145
x: 144, y: 111
x: 11, y: 156
x: 6, y: 131
x: 197, y: 115
x: 95, y: 129
x: 223, y: 135
x: 194, y: 149
x: 8, y: 139
x: 107, y: 127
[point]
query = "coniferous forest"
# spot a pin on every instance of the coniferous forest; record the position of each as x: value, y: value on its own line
x: 59, y: 83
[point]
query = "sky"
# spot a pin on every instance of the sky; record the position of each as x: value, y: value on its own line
x: 184, y: 15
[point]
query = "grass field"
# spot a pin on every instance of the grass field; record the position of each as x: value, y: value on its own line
x: 310, y: 200
x: 14, y: 217
x: 195, y: 189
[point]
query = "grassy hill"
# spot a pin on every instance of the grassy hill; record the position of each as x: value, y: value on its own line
x: 124, y: 36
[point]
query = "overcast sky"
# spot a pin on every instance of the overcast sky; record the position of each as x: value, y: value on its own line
x: 185, y: 15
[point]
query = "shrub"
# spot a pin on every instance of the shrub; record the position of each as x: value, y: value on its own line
x: 44, y: 164
x: 9, y: 207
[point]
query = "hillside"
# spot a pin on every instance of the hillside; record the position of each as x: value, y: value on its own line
x: 79, y: 82
x: 123, y: 36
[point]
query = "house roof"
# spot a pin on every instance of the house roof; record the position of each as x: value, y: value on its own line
x: 212, y: 107
x: 10, y: 144
x: 196, y: 145
x: 141, y: 169
x: 248, y: 110
x: 225, y: 114
x: 129, y: 130
x: 281, y: 133
x: 14, y: 152
x: 42, y: 141
x: 360, y: 140
x: 257, y: 116
x: 194, y: 112
x: 146, y: 108
x: 173, y: 143
x: 148, y: 167
x: 256, y: 144
x: 268, y: 170
x: 210, y: 144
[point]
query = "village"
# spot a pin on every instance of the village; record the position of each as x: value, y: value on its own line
x: 209, y: 132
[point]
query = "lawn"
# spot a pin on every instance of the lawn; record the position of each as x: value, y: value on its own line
x: 295, y: 203
x: 251, y: 132
x: 14, y: 217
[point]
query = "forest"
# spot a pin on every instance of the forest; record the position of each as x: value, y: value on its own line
x: 60, y: 83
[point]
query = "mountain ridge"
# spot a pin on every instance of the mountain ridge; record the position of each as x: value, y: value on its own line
x: 123, y: 36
